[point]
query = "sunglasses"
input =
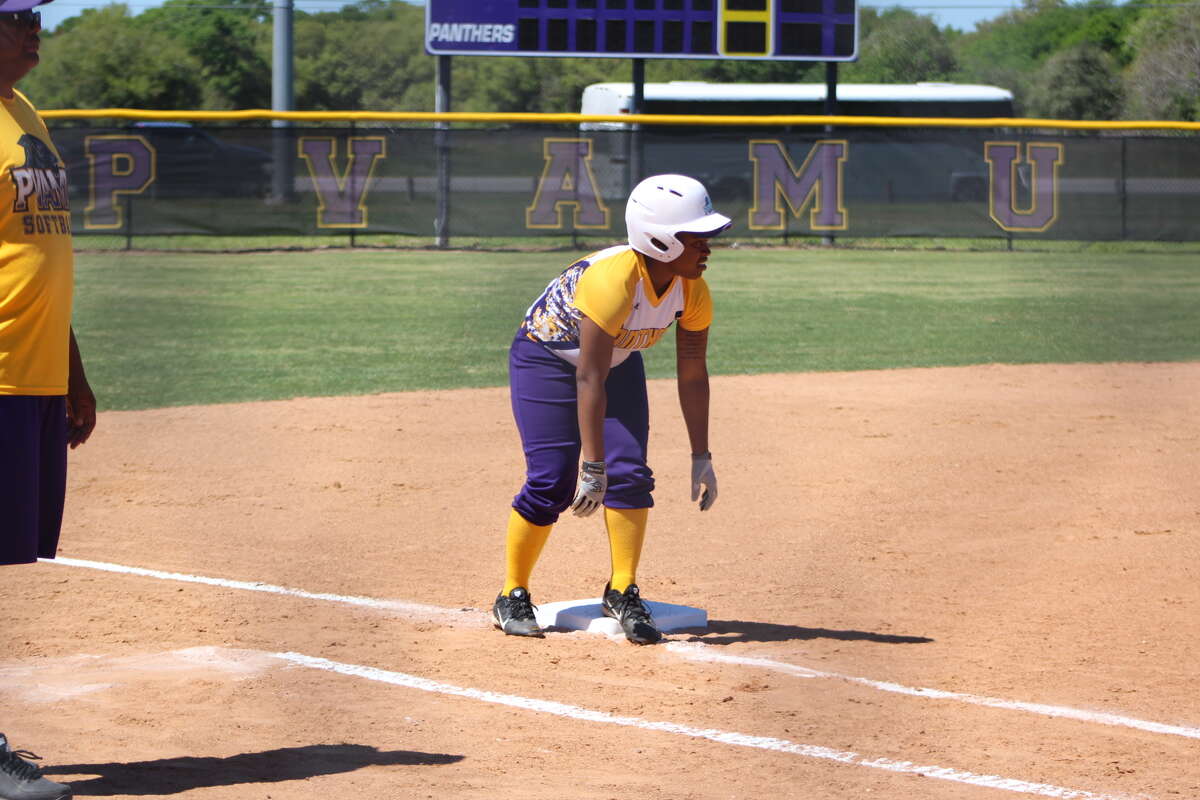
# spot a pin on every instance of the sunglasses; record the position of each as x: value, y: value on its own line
x: 26, y: 17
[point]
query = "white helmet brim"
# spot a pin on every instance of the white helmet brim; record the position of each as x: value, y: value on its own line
x: 711, y: 225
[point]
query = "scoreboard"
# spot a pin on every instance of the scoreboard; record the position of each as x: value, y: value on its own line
x: 799, y: 30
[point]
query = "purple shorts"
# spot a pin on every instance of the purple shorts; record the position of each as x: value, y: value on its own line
x: 544, y: 406
x: 33, y: 476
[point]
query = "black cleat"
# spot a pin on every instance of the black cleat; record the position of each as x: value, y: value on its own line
x: 513, y: 614
x: 20, y: 780
x: 628, y: 609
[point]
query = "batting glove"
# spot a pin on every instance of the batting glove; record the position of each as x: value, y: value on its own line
x: 702, y: 474
x: 593, y: 482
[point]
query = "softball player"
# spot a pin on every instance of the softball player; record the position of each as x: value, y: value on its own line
x: 578, y: 384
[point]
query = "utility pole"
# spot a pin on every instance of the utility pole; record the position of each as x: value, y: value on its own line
x: 282, y: 99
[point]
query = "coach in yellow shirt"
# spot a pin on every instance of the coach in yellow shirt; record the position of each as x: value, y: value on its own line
x: 46, y: 404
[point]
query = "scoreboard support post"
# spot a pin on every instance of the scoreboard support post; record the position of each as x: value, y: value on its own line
x: 831, y: 78
x: 635, y: 169
x: 441, y: 221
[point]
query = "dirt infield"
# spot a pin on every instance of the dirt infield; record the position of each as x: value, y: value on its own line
x: 940, y: 583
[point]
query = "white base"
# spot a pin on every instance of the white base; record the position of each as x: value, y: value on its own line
x: 585, y: 615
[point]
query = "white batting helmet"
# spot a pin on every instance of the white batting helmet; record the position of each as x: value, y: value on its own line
x: 663, y: 206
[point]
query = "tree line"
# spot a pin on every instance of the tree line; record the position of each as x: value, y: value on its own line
x: 1092, y: 60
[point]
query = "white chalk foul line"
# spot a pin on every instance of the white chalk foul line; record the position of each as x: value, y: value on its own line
x: 700, y: 652
x: 711, y: 734
x: 695, y: 651
x: 408, y: 609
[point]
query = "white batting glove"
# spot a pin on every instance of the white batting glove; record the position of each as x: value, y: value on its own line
x: 593, y: 482
x: 702, y: 474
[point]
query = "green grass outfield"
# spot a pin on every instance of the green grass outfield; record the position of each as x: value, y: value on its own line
x: 166, y: 329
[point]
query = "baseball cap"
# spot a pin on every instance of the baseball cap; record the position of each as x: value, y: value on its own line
x: 10, y: 6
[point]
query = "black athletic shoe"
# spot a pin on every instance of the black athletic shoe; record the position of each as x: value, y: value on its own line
x: 20, y: 780
x: 628, y: 609
x: 513, y: 614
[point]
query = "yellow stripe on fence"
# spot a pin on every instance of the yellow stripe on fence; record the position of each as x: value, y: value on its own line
x: 642, y: 119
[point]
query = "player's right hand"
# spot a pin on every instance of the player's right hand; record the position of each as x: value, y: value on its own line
x: 593, y: 482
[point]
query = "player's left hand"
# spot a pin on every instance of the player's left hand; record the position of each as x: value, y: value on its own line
x: 703, y: 475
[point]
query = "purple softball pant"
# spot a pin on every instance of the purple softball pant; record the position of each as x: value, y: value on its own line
x: 33, y: 476
x: 544, y: 407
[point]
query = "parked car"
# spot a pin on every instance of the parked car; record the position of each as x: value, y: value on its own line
x: 193, y: 162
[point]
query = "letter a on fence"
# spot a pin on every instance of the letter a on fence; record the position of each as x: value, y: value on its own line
x: 1035, y: 176
x: 777, y: 182
x: 567, y: 180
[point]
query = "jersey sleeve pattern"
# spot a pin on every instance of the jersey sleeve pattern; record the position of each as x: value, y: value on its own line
x: 553, y: 318
x: 597, y: 285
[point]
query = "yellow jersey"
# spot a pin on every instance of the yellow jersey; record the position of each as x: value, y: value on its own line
x: 613, y: 289
x: 37, y: 272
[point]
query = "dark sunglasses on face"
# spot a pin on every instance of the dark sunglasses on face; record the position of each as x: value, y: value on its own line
x: 25, y: 17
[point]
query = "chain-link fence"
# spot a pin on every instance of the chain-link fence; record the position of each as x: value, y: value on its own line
x: 775, y: 181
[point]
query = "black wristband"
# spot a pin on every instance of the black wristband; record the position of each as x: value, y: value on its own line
x: 594, y: 467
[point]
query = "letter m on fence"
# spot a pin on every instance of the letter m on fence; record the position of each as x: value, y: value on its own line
x: 777, y: 183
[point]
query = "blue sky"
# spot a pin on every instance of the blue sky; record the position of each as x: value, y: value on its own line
x: 961, y: 14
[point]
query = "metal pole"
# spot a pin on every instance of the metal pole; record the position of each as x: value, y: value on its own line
x: 831, y: 76
x: 1121, y: 190
x: 639, y: 105
x: 282, y: 99
x: 441, y: 140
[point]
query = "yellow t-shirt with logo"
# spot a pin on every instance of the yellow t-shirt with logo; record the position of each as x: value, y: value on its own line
x: 37, y: 271
x: 613, y: 288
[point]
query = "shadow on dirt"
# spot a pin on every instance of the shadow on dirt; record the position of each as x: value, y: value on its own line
x: 175, y: 775
x: 732, y: 631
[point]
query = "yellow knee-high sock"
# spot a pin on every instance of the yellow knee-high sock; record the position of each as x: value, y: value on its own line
x: 524, y: 545
x: 626, y: 532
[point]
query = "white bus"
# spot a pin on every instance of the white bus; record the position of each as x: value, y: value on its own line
x: 705, y: 151
x: 755, y: 99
